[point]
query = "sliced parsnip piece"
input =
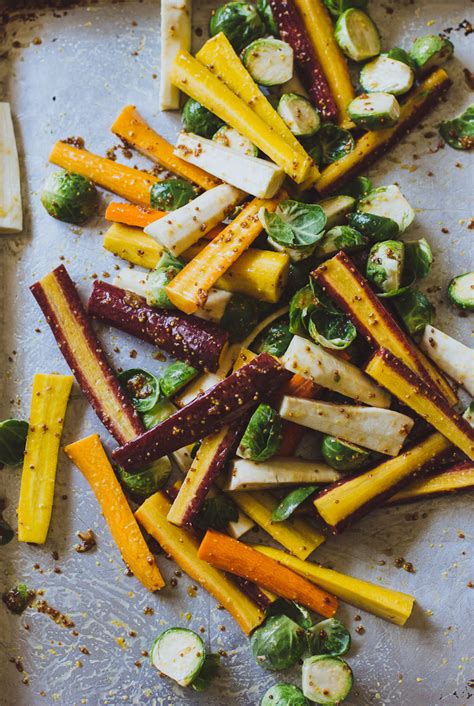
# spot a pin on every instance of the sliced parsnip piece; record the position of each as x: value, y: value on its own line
x: 248, y: 475
x: 453, y: 357
x: 11, y: 217
x: 175, y: 37
x: 258, y: 177
x: 182, y: 228
x: 381, y: 430
x: 314, y: 362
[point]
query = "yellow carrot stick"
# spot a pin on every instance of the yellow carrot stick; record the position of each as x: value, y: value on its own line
x: 320, y: 30
x: 48, y: 406
x: 131, y: 127
x: 189, y: 289
x: 131, y: 184
x: 199, y: 83
x: 89, y: 456
x: 258, y: 273
x: 219, y: 56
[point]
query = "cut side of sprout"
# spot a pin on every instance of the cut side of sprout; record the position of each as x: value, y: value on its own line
x: 269, y: 61
x: 326, y: 679
x: 357, y: 35
x: 336, y: 209
x: 299, y: 114
x: 231, y: 138
x: 179, y: 653
x: 387, y: 76
x: 388, y: 202
x: 374, y: 111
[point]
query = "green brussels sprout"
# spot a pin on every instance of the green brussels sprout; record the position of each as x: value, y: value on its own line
x: 269, y: 61
x: 216, y: 513
x: 275, y: 339
x: 374, y: 227
x: 415, y: 310
x: 418, y: 259
x: 341, y: 238
x: 265, y: 11
x: 313, y: 147
x: 337, y: 7
x: 18, y: 598
x: 377, y: 110
x: 199, y: 120
x: 326, y: 679
x: 430, y: 51
x: 385, y: 265
x: 142, y: 387
x: 403, y: 56
x: 157, y: 414
x: 13, y: 433
x: 342, y: 455
x: 69, y: 197
x: 240, y: 317
x: 459, y: 132
x: 357, y: 35
x: 170, y: 194
x: 143, y: 484
x: 279, y: 643
x: 329, y: 637
x: 284, y: 695
x: 292, y: 501
x: 358, y: 187
x: 294, y: 227
x: 207, y: 672
x: 311, y: 312
x: 175, y: 377
x: 239, y: 21
x: 335, y: 143
x: 461, y: 291
x: 262, y: 436
x: 158, y: 279
x: 299, y: 114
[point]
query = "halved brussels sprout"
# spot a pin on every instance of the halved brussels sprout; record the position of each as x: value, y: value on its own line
x: 142, y: 388
x: 337, y: 7
x: 336, y: 209
x: 374, y: 111
x: 170, y: 194
x: 199, y: 120
x: 329, y: 637
x: 157, y: 414
x: 357, y: 35
x: 403, y: 56
x: 335, y: 143
x: 459, y: 132
x: 69, y: 197
x: 175, y: 377
x: 383, y: 213
x: 461, y: 291
x: 143, y: 484
x: 327, y: 680
x: 269, y: 61
x: 385, y: 265
x: 430, y: 51
x: 279, y: 643
x: 232, y: 139
x: 13, y: 433
x: 262, y: 436
x: 239, y: 21
x: 358, y: 187
x: 342, y: 455
x: 284, y: 695
x: 158, y: 279
x: 415, y: 310
x: 341, y: 238
x: 387, y: 75
x: 275, y: 339
x: 299, y: 114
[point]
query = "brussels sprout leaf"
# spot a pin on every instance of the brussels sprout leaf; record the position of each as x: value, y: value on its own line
x: 294, y: 224
x: 13, y: 433
x: 415, y: 310
x: 292, y: 501
x: 275, y: 339
x: 158, y: 279
x: 216, y: 513
x: 459, y: 132
x: 170, y: 194
x: 175, y: 377
x: 329, y: 637
x: 335, y: 143
x: 337, y: 7
x: 279, y: 643
x: 142, y: 388
x: 262, y: 436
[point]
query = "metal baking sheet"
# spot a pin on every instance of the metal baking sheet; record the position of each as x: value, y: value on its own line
x: 68, y: 71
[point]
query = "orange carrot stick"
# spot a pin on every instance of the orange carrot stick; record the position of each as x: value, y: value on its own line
x: 132, y: 215
x: 240, y: 559
x: 292, y: 434
x: 135, y: 131
x: 131, y: 184
x: 89, y: 456
x: 189, y: 289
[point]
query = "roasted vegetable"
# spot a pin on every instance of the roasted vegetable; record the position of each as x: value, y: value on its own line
x: 324, y: 323
x: 176, y: 376
x: 240, y: 317
x: 299, y: 114
x: 387, y: 74
x: 13, y: 433
x: 358, y: 187
x: 401, y: 55
x: 337, y: 208
x: 342, y: 455
x: 340, y: 238
x: 430, y: 51
x: 179, y: 653
x: 170, y: 194
x: 385, y: 265
x: 222, y: 404
x: 199, y: 120
x: 292, y: 501
x: 262, y: 436
x: 269, y: 61
x: 232, y: 139
x: 337, y: 7
x: 414, y: 309
x: 326, y: 679
x: 459, y: 132
x: 69, y: 197
x: 294, y: 227
x: 199, y: 343
x: 329, y: 637
x: 277, y: 473
x: 278, y: 644
x: 451, y: 356
x: 374, y: 111
x: 216, y: 513
x: 461, y: 291
x: 284, y: 695
x: 275, y: 339
x: 335, y: 142
x: 142, y: 387
x: 357, y: 35
x: 144, y: 483
x: 161, y: 411
x: 265, y: 11
x: 383, y: 213
x: 157, y: 280
x: 18, y: 598
x: 239, y: 21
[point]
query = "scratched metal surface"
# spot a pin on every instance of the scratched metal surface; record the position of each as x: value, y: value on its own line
x: 90, y: 62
